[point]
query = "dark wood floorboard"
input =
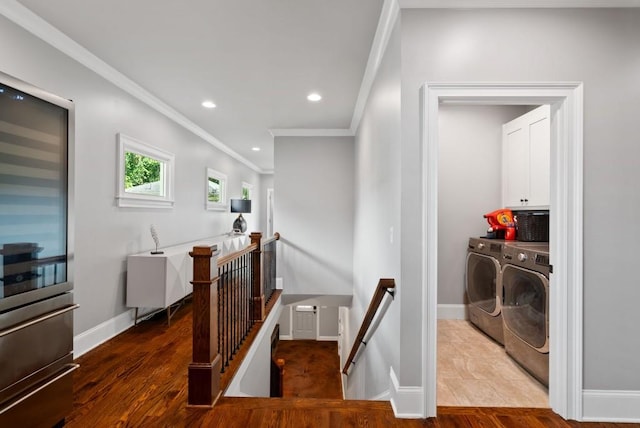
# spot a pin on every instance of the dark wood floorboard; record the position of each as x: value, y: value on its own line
x: 312, y: 369
x: 139, y: 379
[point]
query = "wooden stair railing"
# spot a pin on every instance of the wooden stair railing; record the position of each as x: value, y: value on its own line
x: 385, y: 285
x: 228, y: 299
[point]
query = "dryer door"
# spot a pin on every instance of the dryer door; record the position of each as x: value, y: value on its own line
x: 482, y: 282
x: 525, y: 309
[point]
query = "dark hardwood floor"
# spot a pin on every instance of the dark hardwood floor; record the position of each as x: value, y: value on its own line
x: 139, y: 379
x: 312, y: 369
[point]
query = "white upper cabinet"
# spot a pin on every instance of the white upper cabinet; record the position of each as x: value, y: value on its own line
x: 526, y: 146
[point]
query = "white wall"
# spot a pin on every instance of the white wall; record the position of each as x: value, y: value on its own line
x: 253, y: 378
x: 106, y: 234
x: 327, y: 322
x: 377, y: 227
x: 260, y: 195
x: 285, y: 323
x: 598, y: 47
x: 469, y: 185
x: 314, y: 214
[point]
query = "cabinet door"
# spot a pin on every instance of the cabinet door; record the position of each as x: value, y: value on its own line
x: 540, y: 156
x: 526, y: 148
x: 515, y: 161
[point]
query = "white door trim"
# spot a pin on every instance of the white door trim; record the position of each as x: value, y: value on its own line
x: 270, y: 213
x: 566, y: 240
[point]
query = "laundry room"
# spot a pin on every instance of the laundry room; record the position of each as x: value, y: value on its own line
x: 492, y: 184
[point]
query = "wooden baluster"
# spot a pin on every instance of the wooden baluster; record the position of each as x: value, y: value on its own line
x: 204, y: 370
x: 280, y: 363
x: 227, y: 278
x: 227, y: 304
x: 220, y: 318
x: 243, y: 310
x: 257, y: 293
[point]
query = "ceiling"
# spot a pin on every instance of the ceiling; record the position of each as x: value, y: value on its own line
x: 257, y: 60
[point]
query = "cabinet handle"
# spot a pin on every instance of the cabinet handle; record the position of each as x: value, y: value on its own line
x: 71, y: 368
x: 37, y: 320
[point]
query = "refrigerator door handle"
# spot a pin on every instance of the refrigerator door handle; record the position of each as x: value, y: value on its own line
x: 37, y: 320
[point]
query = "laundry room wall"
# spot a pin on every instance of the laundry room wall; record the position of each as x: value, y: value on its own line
x: 469, y: 186
x: 599, y: 48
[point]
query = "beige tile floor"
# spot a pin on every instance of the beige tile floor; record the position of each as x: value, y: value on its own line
x: 474, y: 370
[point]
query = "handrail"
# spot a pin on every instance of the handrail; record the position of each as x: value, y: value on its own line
x: 384, y: 286
x: 275, y: 237
x: 236, y: 255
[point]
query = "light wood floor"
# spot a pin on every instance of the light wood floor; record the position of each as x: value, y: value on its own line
x: 474, y: 370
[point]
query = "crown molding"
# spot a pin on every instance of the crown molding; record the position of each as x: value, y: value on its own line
x: 390, y: 12
x: 511, y: 4
x: 388, y: 16
x: 40, y: 28
x: 305, y: 132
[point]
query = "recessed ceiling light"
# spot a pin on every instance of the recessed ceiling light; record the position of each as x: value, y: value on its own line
x: 255, y: 149
x: 208, y: 104
x: 314, y: 97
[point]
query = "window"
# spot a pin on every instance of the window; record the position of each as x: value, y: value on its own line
x: 216, y: 187
x: 145, y: 175
x: 247, y: 190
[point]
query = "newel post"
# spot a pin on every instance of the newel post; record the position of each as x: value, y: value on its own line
x: 257, y: 293
x: 204, y: 370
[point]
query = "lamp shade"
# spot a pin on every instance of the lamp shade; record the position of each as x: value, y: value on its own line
x: 240, y: 206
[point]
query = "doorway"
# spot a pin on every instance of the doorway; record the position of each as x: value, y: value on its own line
x: 475, y: 367
x: 565, y: 327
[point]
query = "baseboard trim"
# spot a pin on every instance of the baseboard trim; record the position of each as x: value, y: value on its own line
x: 286, y: 337
x: 452, y: 312
x: 344, y: 389
x: 87, y: 340
x: 610, y: 406
x: 383, y: 396
x: 407, y: 401
x: 327, y: 338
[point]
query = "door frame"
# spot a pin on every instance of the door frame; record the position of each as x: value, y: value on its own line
x: 566, y: 223
x: 270, y: 212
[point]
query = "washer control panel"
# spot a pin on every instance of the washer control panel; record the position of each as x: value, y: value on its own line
x: 533, y: 257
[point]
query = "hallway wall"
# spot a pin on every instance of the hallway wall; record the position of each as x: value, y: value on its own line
x: 314, y: 214
x: 595, y: 46
x: 377, y: 229
x: 106, y: 234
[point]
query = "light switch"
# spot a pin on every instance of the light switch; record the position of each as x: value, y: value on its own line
x: 391, y: 235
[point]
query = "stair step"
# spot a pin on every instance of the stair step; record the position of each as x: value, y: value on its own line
x: 301, y: 403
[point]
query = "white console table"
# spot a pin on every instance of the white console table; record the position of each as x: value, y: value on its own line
x: 160, y: 281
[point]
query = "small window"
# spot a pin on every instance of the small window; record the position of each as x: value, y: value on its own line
x: 247, y: 190
x: 216, y: 190
x: 145, y: 175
